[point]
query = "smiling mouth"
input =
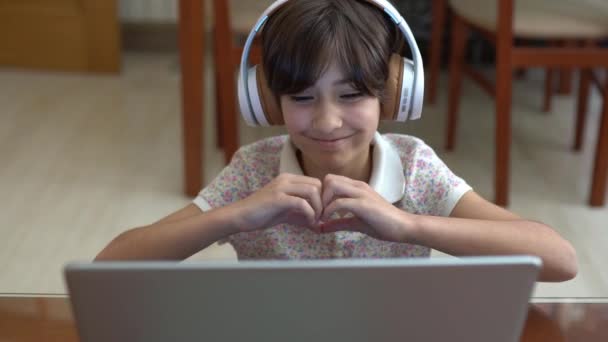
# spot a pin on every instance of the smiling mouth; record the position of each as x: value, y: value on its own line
x: 332, y: 139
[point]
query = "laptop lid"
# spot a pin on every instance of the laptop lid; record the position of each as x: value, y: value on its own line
x: 466, y: 299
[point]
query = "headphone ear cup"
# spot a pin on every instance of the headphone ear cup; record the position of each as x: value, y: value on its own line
x: 257, y: 111
x: 270, y: 107
x: 390, y: 106
x: 392, y: 89
x: 398, y: 90
x: 407, y: 88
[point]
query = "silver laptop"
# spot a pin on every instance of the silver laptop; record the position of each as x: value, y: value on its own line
x: 467, y: 299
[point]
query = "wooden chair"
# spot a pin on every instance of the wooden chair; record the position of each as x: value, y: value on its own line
x: 440, y: 14
x: 191, y: 42
x: 500, y: 21
x: 193, y: 17
x: 231, y: 24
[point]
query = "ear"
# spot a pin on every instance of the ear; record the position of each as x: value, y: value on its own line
x: 392, y: 90
x: 270, y: 106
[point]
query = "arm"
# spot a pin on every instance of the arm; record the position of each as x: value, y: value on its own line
x: 287, y: 199
x: 175, y: 237
x: 475, y: 227
x: 478, y: 227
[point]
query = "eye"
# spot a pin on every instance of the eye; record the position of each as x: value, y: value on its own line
x: 300, y: 98
x: 351, y: 96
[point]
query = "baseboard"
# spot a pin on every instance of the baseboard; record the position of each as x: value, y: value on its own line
x: 156, y: 37
x: 149, y: 37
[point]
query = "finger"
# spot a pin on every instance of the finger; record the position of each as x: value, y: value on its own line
x: 292, y: 184
x: 340, y: 205
x: 298, y: 208
x: 313, y: 191
x: 338, y: 186
x: 309, y: 192
x: 301, y: 179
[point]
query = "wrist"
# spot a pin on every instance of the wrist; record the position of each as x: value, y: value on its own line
x: 241, y: 217
x: 231, y: 218
x: 411, y: 227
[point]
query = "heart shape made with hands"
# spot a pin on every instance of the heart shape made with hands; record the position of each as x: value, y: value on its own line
x: 340, y: 213
x: 336, y: 192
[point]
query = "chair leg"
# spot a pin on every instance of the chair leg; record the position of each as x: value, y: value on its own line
x: 565, y: 81
x: 549, y: 73
x: 503, y: 94
x: 600, y: 168
x: 503, y: 134
x: 581, y: 108
x: 439, y: 9
x: 565, y: 74
x: 218, y: 98
x: 459, y: 35
x: 192, y: 71
x: 227, y: 124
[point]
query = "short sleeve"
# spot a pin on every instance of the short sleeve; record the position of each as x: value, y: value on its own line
x: 432, y: 186
x: 229, y: 186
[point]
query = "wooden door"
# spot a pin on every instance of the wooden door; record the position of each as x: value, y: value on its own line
x: 74, y: 35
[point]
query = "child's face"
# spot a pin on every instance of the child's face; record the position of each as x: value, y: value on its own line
x: 331, y: 122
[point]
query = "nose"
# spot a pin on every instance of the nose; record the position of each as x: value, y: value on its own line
x: 327, y: 118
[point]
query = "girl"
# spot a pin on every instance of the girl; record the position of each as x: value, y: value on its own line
x: 334, y: 187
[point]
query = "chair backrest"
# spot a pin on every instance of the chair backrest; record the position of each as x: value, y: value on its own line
x: 546, y: 19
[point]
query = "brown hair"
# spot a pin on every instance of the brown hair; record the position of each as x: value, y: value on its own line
x: 303, y: 37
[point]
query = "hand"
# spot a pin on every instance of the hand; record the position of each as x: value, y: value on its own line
x: 371, y: 214
x: 292, y: 199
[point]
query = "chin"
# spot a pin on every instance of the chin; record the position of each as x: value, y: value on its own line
x: 332, y: 160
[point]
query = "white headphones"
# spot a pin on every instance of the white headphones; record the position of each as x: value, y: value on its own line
x: 404, y: 88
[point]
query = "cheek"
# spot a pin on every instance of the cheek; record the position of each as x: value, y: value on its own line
x: 367, y: 115
x: 296, y: 119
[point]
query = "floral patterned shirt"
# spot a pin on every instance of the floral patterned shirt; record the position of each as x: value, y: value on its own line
x: 405, y: 171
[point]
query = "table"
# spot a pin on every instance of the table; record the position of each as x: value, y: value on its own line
x: 49, y: 318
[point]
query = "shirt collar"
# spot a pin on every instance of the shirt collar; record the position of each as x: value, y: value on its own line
x: 387, y: 171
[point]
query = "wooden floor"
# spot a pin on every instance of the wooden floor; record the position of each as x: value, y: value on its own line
x: 84, y: 157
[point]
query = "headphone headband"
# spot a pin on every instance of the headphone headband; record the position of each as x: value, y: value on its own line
x: 411, y: 94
